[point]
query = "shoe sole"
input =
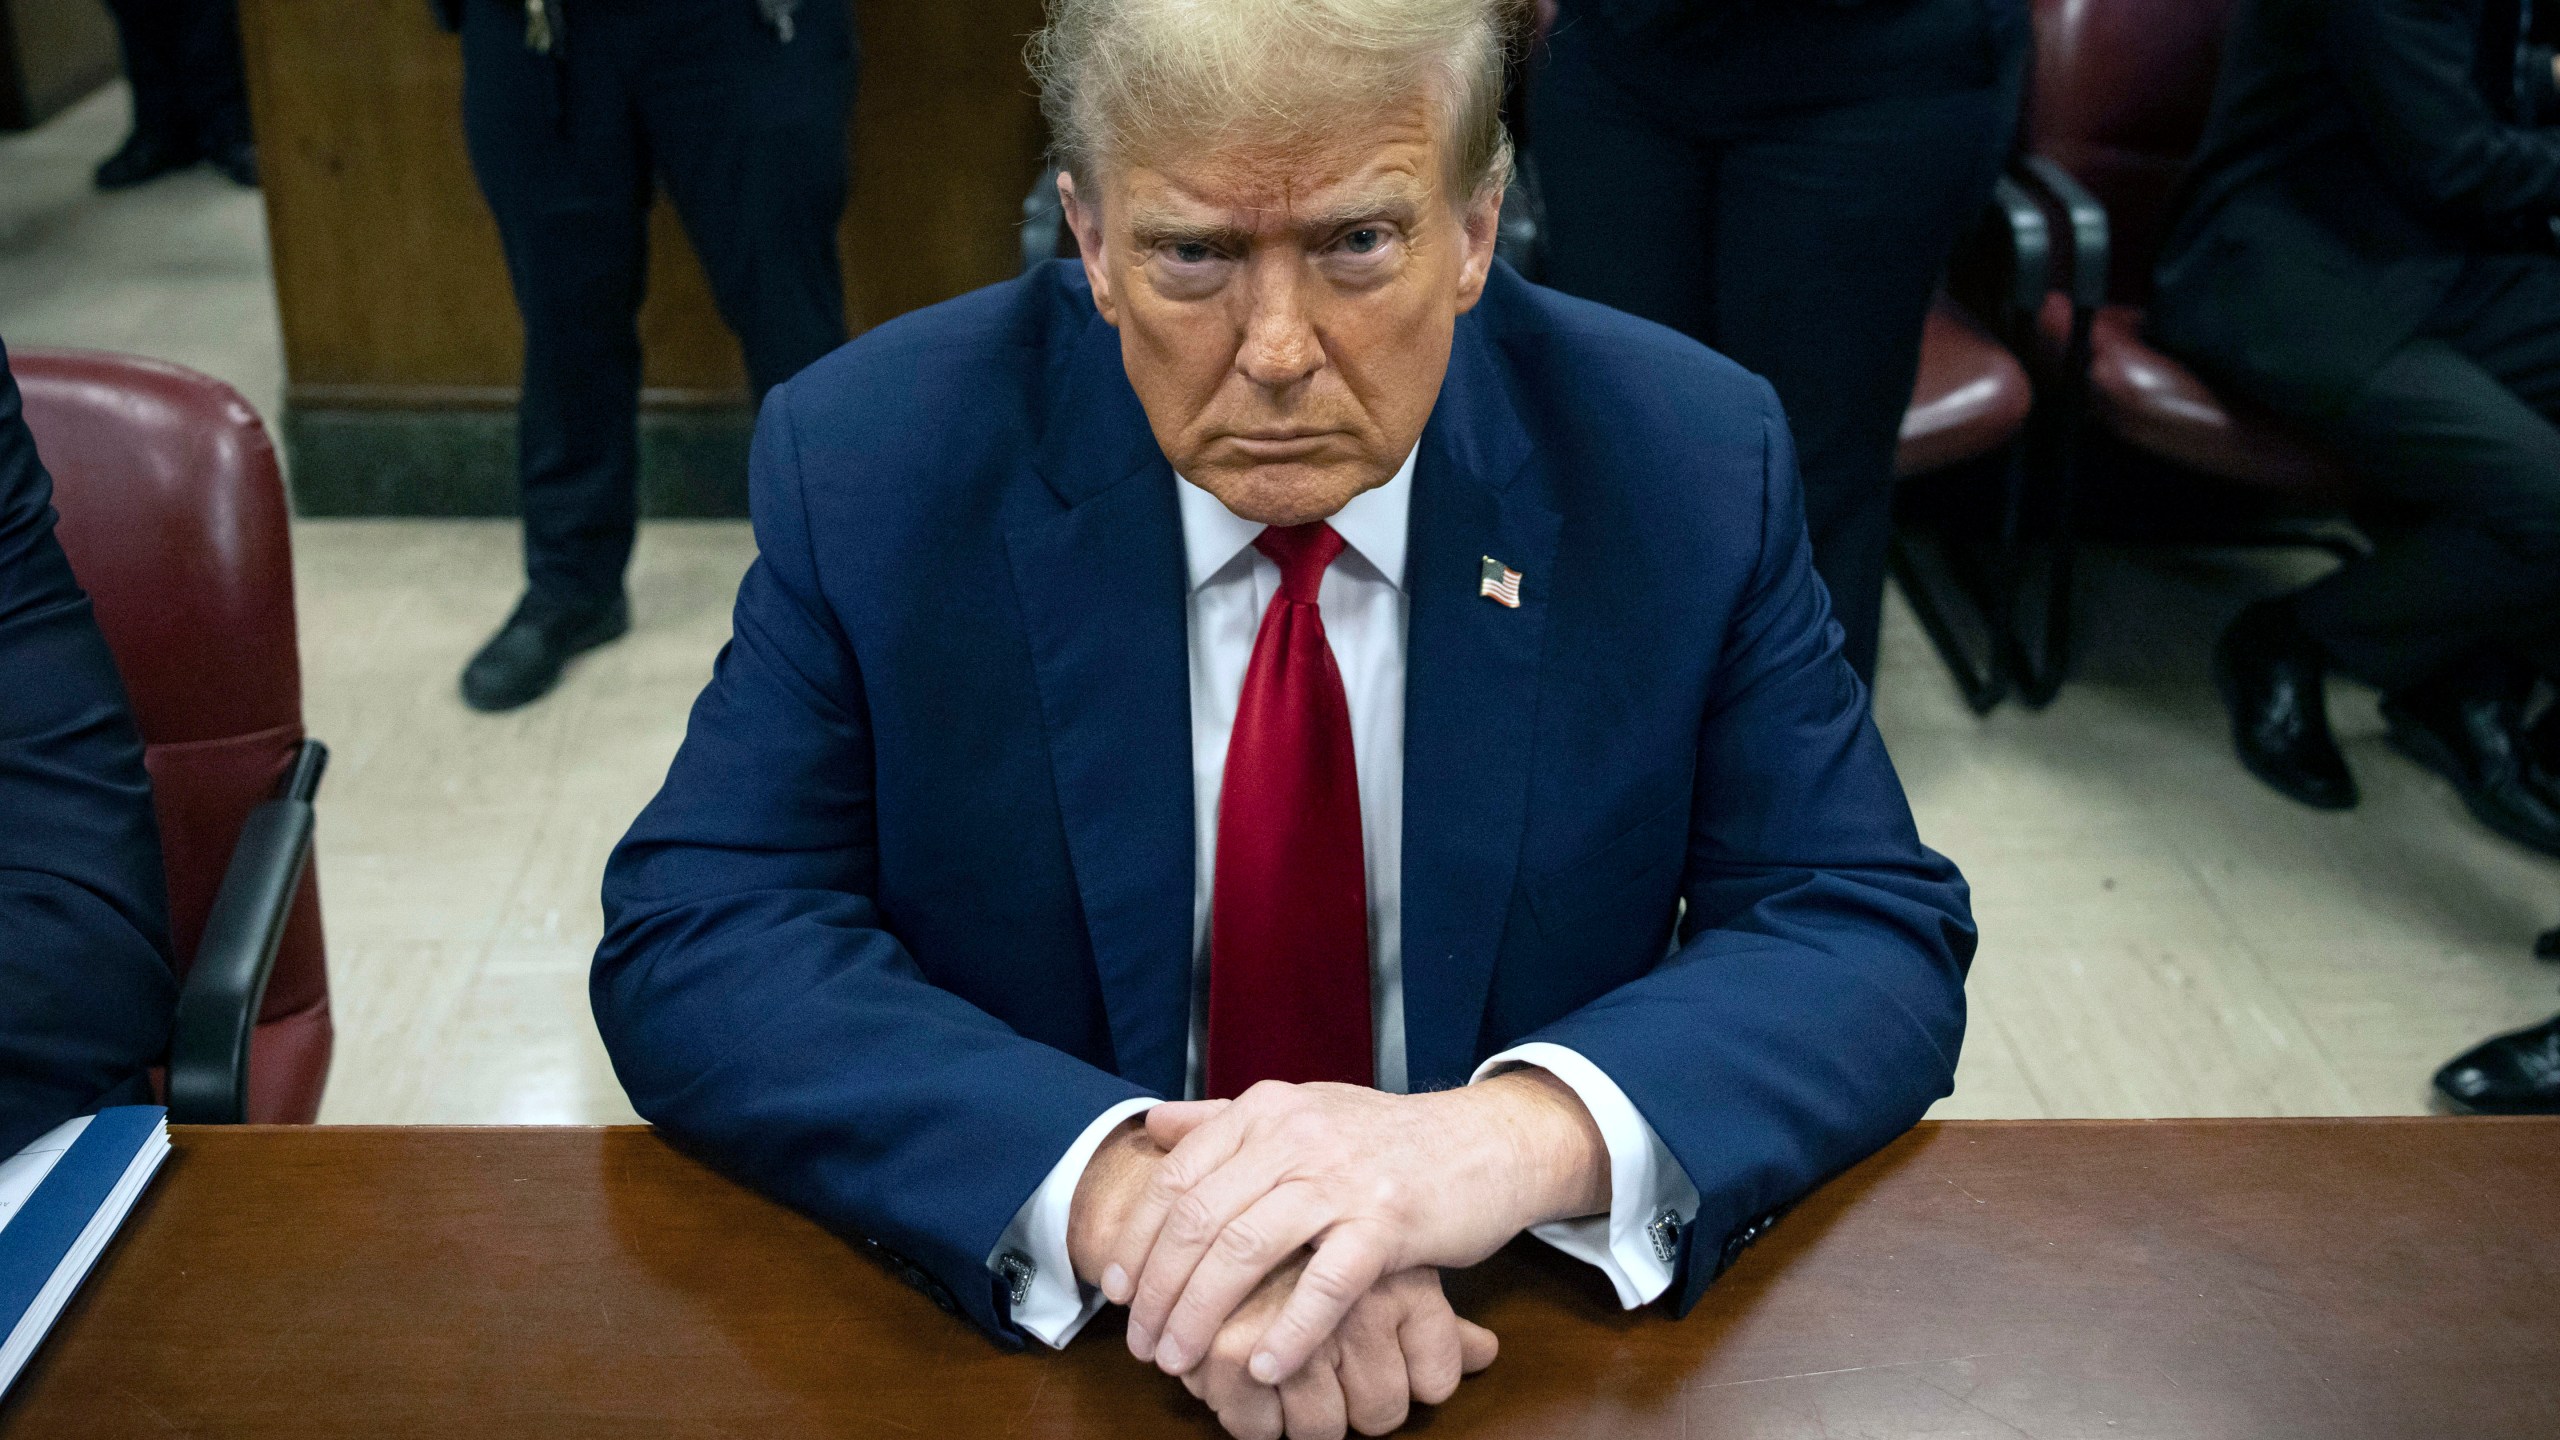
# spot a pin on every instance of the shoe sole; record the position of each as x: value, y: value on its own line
x: 2421, y: 746
x: 2229, y: 689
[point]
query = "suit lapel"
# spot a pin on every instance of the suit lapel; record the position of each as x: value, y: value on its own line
x: 1471, y: 699
x: 1101, y: 586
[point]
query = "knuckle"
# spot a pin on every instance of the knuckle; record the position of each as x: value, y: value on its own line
x: 1191, y: 1221
x: 1383, y: 1419
x: 1241, y: 1240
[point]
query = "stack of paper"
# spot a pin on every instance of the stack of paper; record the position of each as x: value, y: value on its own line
x: 61, y: 1200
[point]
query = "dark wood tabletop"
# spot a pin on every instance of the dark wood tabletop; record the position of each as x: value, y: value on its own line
x: 2187, y: 1280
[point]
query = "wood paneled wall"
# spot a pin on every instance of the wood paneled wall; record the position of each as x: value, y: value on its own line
x: 387, y: 265
x: 52, y: 52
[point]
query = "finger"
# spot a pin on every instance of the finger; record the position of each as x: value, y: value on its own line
x: 1376, y: 1396
x: 1349, y: 1261
x: 1202, y: 1153
x: 1246, y: 1409
x: 1192, y: 1224
x: 1253, y: 1414
x: 1433, y: 1353
x: 1311, y: 1405
x: 1267, y: 1235
x: 1476, y: 1346
x: 1170, y: 1123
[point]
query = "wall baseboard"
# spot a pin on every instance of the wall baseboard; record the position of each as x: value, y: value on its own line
x: 369, y: 461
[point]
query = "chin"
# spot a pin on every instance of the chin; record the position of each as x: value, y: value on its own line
x: 1287, y: 494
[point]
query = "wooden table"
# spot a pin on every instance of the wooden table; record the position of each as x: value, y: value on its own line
x: 2184, y: 1280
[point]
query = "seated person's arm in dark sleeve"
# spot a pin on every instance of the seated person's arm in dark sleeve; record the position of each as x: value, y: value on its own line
x: 1815, y: 1004
x: 2407, y: 67
x: 757, y: 1009
x: 86, y: 992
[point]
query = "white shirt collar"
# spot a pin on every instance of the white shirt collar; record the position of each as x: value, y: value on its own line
x: 1372, y: 526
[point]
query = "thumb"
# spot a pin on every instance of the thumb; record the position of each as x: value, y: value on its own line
x: 1168, y: 1123
x: 1476, y: 1346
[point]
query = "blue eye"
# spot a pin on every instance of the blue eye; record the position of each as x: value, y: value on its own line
x: 1363, y: 241
x: 1193, y: 252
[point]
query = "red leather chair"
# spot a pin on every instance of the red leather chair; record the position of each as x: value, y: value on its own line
x: 1970, y: 406
x: 173, y: 515
x: 2121, y: 92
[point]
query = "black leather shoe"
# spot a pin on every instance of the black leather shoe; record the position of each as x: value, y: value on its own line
x: 524, y: 659
x: 2270, y: 676
x: 237, y: 160
x: 145, y: 155
x: 2474, y: 737
x: 2516, y: 1074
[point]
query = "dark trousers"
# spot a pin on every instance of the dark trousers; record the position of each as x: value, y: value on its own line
x: 1801, y: 234
x: 745, y: 132
x: 183, y: 59
x: 2456, y: 436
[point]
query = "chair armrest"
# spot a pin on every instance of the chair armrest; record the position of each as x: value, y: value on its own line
x: 218, y: 1005
x: 2004, y: 266
x: 1042, y: 217
x: 1519, y: 232
x: 2086, y: 220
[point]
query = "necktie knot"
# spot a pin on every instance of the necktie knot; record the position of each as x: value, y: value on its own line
x: 1302, y: 552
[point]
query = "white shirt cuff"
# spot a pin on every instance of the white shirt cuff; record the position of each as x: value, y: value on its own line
x: 1032, y: 1255
x: 1650, y: 1197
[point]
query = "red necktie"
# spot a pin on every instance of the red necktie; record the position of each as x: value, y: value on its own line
x: 1289, y: 918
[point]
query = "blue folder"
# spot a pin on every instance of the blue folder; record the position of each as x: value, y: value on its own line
x: 53, y: 1238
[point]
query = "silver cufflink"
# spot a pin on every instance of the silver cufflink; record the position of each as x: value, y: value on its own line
x: 1664, y: 1230
x: 1016, y: 1269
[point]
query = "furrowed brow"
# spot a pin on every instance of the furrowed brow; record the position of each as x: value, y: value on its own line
x: 1153, y: 228
x: 1395, y: 207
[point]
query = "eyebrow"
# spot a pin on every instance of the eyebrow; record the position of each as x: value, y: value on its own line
x: 1154, y: 225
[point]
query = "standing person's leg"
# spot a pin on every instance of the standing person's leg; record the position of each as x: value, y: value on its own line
x: 560, y: 159
x: 1628, y: 218
x: 163, y: 138
x: 215, y: 85
x: 748, y: 130
x: 1834, y: 225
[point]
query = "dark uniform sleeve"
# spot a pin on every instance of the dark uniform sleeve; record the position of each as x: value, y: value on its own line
x: 86, y: 990
x: 2407, y: 68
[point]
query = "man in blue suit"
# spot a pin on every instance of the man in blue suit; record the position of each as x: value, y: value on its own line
x: 86, y: 992
x: 1259, y: 767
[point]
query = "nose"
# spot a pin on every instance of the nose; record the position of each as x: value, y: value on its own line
x: 1280, y: 348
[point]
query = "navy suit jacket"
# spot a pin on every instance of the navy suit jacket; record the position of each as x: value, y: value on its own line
x: 915, y: 903
x: 86, y: 992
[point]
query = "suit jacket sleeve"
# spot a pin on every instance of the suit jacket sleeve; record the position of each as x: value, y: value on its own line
x: 757, y: 1007
x: 86, y: 992
x: 1813, y: 1006
x: 2407, y: 66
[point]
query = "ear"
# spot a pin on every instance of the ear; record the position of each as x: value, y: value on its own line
x: 1480, y: 223
x: 1086, y: 221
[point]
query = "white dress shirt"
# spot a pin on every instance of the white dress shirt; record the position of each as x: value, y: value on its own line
x: 1364, y: 606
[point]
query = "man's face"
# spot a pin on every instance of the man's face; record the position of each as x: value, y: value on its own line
x: 1285, y: 311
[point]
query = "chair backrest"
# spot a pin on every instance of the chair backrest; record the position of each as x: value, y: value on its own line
x: 2121, y: 92
x: 173, y: 515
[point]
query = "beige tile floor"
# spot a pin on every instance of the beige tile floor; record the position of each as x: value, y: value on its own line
x: 2162, y: 936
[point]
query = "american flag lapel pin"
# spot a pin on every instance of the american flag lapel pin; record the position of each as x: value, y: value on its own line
x: 1501, y: 584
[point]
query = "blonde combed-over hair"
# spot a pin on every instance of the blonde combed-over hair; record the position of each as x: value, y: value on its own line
x: 1122, y: 80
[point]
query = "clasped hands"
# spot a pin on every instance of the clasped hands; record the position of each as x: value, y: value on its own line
x: 1281, y: 1252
